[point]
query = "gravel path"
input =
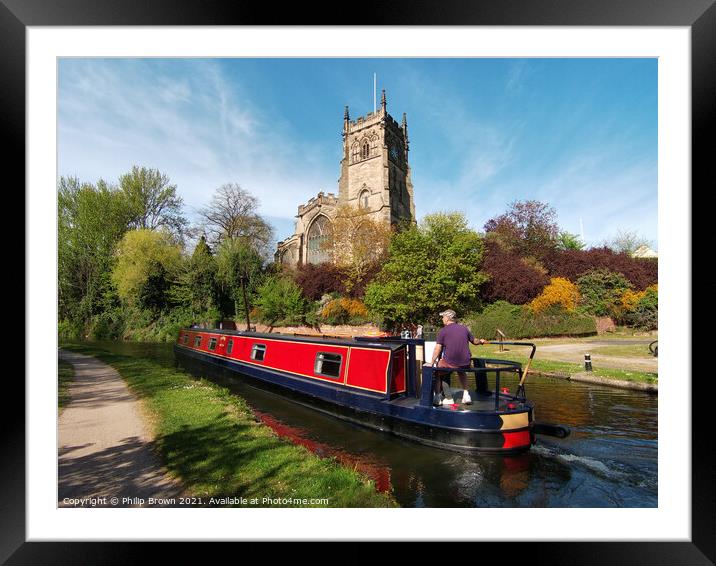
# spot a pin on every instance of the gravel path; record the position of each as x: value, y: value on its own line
x: 105, y: 448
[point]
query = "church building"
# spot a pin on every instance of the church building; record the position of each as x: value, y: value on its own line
x: 375, y: 177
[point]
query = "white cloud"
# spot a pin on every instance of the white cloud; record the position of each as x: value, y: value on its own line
x: 188, y: 120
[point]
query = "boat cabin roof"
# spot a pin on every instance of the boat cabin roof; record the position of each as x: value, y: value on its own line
x: 302, y: 338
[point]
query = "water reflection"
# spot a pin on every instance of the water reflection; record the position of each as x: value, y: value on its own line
x: 609, y: 460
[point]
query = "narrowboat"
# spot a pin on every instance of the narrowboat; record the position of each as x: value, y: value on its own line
x: 378, y: 382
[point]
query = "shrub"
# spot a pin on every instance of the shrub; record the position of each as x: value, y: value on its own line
x: 601, y: 292
x: 315, y: 280
x: 512, y: 279
x: 344, y: 311
x: 641, y: 310
x: 109, y: 325
x: 280, y: 300
x: 560, y: 294
x: 518, y: 321
x: 572, y: 264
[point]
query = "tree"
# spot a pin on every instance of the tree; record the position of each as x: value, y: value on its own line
x: 146, y: 263
x: 196, y: 283
x: 232, y: 215
x: 430, y: 267
x: 239, y: 271
x: 91, y: 219
x: 152, y: 201
x: 626, y: 242
x: 280, y: 299
x: 528, y: 228
x: 567, y: 241
x: 357, y: 244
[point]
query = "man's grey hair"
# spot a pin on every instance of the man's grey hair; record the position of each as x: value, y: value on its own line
x: 450, y: 314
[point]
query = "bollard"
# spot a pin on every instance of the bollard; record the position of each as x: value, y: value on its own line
x: 587, y: 362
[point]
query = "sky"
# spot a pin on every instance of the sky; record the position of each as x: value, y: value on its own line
x: 577, y: 134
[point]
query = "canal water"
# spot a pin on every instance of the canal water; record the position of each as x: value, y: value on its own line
x: 609, y: 460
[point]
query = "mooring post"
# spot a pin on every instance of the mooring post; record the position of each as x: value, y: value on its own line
x: 587, y: 362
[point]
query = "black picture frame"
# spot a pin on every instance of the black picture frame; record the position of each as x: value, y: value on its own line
x: 698, y: 15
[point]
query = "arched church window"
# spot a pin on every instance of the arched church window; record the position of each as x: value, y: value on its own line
x: 374, y: 144
x: 318, y: 235
x: 365, y: 150
x: 355, y: 152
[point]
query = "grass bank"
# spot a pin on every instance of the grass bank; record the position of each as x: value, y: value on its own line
x: 211, y: 441
x: 65, y: 375
x: 564, y: 368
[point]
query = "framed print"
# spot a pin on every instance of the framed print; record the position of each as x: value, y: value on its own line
x: 46, y: 42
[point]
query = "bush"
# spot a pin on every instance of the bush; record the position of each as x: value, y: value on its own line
x: 560, y: 295
x: 315, y: 280
x: 641, y: 310
x: 69, y: 330
x: 109, y: 325
x: 517, y: 321
x: 512, y: 279
x: 344, y: 311
x: 280, y: 300
x: 572, y: 264
x: 601, y: 292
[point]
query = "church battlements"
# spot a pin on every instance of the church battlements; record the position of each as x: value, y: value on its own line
x: 320, y: 199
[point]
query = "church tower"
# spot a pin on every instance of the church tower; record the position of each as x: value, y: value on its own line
x: 375, y: 174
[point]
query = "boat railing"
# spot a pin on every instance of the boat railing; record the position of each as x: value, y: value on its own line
x: 498, y: 367
x: 420, y: 382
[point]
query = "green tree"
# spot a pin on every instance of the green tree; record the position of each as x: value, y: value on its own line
x: 280, y: 299
x: 196, y: 287
x: 147, y: 262
x: 91, y: 219
x: 152, y: 201
x: 239, y: 270
x: 430, y: 267
x: 567, y: 241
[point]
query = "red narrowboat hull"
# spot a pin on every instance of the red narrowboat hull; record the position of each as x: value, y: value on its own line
x: 370, y: 382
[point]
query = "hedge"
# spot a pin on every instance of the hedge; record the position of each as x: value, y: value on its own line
x: 516, y: 321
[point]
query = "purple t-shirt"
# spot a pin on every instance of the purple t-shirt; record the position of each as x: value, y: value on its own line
x: 454, y: 338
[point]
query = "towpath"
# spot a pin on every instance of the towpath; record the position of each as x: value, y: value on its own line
x: 105, y: 447
x: 574, y: 353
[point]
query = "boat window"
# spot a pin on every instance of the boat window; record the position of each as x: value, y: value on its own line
x: 230, y: 346
x: 197, y: 341
x: 258, y: 352
x: 185, y: 339
x: 328, y: 364
x: 212, y: 343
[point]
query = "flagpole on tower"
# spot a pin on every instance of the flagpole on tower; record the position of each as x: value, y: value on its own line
x: 374, y: 91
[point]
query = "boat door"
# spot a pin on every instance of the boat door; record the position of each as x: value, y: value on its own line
x: 221, y: 348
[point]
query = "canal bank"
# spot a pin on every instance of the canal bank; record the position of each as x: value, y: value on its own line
x: 587, y: 377
x: 212, y: 441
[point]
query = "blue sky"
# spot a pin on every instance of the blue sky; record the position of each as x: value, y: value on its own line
x: 579, y: 134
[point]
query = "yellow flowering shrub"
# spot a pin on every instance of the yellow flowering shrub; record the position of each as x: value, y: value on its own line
x: 343, y: 309
x: 560, y: 292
